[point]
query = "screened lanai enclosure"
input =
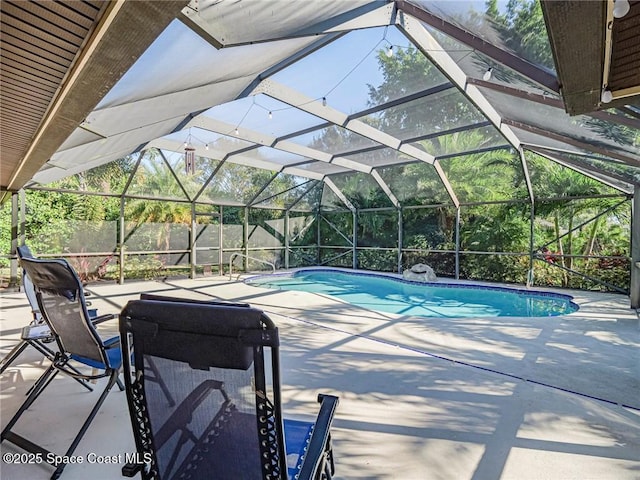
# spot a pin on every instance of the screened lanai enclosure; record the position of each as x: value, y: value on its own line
x: 263, y: 135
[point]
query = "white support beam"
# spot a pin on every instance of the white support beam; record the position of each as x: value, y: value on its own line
x: 212, y: 153
x: 339, y: 194
x: 326, y: 112
x: 315, y: 154
x: 438, y: 55
x: 177, y: 146
x: 351, y: 164
x: 258, y: 138
x: 527, y: 177
x: 447, y: 186
x: 223, y: 128
x: 302, y: 150
x: 385, y: 188
x: 301, y: 172
x: 368, y: 131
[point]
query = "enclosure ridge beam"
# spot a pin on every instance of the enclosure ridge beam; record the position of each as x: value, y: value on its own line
x: 449, y: 131
x: 428, y: 136
x: 236, y: 157
x: 302, y: 150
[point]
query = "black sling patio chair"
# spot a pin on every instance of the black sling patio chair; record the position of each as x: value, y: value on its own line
x: 37, y: 333
x: 227, y: 422
x: 61, y: 300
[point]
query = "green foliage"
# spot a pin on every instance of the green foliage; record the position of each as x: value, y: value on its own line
x: 523, y: 30
x: 428, y: 228
x: 494, y: 268
x: 5, y: 232
x: 378, y: 260
x: 406, y: 68
x: 494, y: 228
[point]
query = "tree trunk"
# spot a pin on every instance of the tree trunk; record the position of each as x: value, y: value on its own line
x: 556, y: 225
x: 592, y: 237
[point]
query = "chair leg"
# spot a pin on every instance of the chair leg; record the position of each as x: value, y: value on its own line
x: 48, y: 353
x: 40, y: 385
x: 12, y: 355
x: 35, y: 391
x: 43, y: 349
x: 113, y: 379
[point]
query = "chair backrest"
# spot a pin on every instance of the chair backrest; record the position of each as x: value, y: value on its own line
x: 23, y: 252
x: 62, y: 303
x: 226, y: 421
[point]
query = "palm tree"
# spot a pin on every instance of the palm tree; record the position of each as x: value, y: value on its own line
x: 154, y: 178
x: 559, y: 185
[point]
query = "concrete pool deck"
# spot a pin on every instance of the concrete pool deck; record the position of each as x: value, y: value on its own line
x: 553, y: 398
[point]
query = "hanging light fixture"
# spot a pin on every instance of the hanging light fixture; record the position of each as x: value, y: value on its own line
x: 607, y: 96
x: 487, y: 75
x: 324, y: 101
x: 270, y: 115
x: 620, y: 8
x: 390, y: 51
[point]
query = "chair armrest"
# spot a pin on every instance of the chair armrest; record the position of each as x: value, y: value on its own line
x: 36, y: 332
x: 320, y: 437
x: 103, y: 318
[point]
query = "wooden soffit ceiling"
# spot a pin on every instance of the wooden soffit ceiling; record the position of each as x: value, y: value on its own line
x: 58, y: 60
x: 593, y: 51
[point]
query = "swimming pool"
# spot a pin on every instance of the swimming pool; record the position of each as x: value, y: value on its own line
x: 394, y: 295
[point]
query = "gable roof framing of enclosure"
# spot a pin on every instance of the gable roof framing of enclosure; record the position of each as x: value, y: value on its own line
x: 201, y: 72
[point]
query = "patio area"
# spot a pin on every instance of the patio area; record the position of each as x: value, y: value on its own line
x: 420, y: 398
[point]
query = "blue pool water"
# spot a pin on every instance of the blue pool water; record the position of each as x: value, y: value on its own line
x: 394, y: 295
